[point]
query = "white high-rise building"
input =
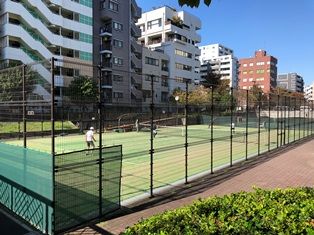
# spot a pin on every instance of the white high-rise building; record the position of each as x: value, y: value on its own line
x: 219, y: 59
x: 37, y: 30
x: 175, y: 33
x: 309, y: 92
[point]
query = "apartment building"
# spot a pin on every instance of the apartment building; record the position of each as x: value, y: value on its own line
x: 175, y: 33
x: 291, y: 81
x: 155, y: 64
x: 33, y: 30
x: 117, y: 51
x: 219, y: 59
x: 309, y: 92
x: 260, y: 70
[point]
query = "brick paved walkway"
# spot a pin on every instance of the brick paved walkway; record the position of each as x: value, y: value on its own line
x: 290, y: 167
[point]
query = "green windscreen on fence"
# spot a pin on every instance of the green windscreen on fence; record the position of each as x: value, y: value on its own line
x: 28, y: 168
x: 26, y: 184
x: 77, y: 185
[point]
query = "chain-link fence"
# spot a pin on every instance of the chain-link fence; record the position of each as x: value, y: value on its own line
x: 168, y: 130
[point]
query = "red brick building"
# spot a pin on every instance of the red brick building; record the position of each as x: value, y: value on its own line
x: 260, y: 70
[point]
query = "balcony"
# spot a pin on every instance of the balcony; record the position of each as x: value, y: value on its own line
x: 106, y: 64
x: 135, y: 46
x: 137, y: 63
x: 105, y: 31
x: 137, y: 12
x: 105, y: 49
x: 136, y: 31
x: 107, y: 82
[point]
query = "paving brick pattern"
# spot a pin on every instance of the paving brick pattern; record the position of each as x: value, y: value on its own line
x: 291, y: 166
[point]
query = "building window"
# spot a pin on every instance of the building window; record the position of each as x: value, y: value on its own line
x: 117, y: 94
x: 85, y: 37
x: 142, y: 27
x: 244, y: 72
x: 154, y: 23
x: 260, y: 71
x: 244, y: 80
x: 117, y: 78
x: 259, y: 79
x: 251, y: 64
x: 245, y: 87
x: 244, y: 65
x: 117, y: 61
x: 183, y: 53
x: 180, y: 79
x: 85, y: 56
x: 183, y: 67
x: 113, y: 5
x: 86, y: 20
x: 117, y: 26
x: 260, y: 63
x: 117, y: 43
x: 151, y: 61
x: 251, y: 79
x: 251, y: 71
x: 87, y: 3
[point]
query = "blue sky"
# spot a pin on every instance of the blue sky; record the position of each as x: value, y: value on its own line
x: 284, y: 28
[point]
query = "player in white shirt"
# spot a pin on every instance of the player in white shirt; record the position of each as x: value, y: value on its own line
x: 90, y: 138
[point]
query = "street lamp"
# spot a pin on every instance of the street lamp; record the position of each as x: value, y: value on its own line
x: 177, y: 99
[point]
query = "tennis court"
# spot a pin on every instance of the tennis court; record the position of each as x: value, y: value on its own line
x: 169, y: 160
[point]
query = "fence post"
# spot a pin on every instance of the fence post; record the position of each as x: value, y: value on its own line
x: 308, y: 118
x: 289, y: 105
x: 152, y: 138
x: 24, y: 107
x: 269, y: 113
x: 186, y: 128
x: 212, y: 133
x: 304, y: 122
x: 247, y: 125
x: 284, y: 121
x: 100, y: 97
x: 300, y: 118
x: 312, y: 117
x: 259, y: 124
x: 231, y: 125
x: 53, y: 140
x: 294, y: 113
x: 278, y: 121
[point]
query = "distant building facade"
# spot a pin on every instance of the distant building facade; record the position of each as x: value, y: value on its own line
x: 309, y: 92
x: 116, y: 50
x: 260, y: 70
x: 219, y: 59
x: 155, y: 65
x: 34, y: 31
x: 175, y: 33
x: 291, y: 81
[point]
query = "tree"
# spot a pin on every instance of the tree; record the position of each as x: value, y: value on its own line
x: 193, y: 3
x: 211, y: 79
x: 11, y: 80
x: 82, y: 89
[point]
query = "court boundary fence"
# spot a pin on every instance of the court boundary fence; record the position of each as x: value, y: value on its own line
x: 290, y: 125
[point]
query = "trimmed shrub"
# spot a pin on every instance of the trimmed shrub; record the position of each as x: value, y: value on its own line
x: 280, y: 211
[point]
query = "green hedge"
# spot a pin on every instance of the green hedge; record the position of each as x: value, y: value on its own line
x: 289, y: 211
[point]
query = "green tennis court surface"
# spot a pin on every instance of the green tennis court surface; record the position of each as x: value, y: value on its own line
x: 169, y: 156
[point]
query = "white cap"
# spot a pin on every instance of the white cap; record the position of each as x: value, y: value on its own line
x: 91, y: 128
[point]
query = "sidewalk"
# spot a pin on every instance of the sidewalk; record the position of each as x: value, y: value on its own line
x: 289, y: 167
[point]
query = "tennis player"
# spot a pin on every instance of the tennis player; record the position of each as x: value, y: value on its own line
x: 89, y: 137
